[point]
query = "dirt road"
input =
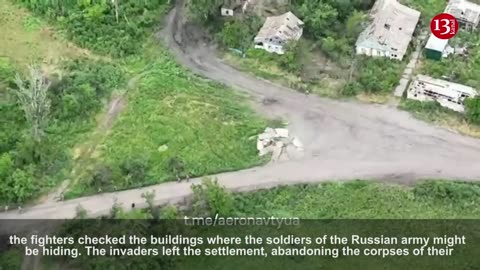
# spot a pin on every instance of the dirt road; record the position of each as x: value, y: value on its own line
x: 343, y: 140
x: 329, y: 129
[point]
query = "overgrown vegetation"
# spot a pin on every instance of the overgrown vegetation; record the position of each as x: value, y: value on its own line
x: 375, y: 75
x: 356, y: 199
x: 11, y: 259
x: 464, y: 69
x: 187, y: 128
x: 434, y: 112
x: 171, y: 114
x: 35, y: 142
x: 108, y: 27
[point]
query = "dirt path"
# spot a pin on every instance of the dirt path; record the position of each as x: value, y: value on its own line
x: 86, y: 151
x: 343, y: 140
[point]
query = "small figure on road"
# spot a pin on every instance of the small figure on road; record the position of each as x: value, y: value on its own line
x: 133, y: 205
x: 20, y: 209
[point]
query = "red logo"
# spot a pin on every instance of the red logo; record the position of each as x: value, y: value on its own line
x: 444, y: 26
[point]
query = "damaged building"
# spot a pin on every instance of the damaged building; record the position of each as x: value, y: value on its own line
x: 390, y: 31
x: 447, y: 94
x: 277, y: 31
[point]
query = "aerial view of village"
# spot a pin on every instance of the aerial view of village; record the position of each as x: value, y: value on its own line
x: 162, y: 109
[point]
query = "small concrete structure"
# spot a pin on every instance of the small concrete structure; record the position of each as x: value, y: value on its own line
x: 448, y: 94
x: 277, y: 31
x: 390, y: 32
x: 436, y: 48
x: 467, y: 13
x: 279, y: 143
x: 231, y: 7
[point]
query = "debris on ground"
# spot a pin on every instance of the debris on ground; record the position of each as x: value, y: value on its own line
x: 279, y: 143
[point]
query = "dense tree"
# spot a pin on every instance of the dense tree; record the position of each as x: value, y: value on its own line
x: 291, y: 60
x: 318, y: 16
x: 235, y: 35
x: 353, y: 24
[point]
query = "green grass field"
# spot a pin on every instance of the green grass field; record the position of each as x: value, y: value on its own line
x: 174, y: 114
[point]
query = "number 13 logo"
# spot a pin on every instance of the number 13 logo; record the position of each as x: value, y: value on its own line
x: 444, y: 26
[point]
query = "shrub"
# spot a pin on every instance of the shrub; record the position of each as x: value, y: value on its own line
x: 377, y: 75
x: 472, y: 107
x: 135, y: 169
x: 80, y: 93
x: 210, y: 198
x: 19, y: 186
x: 104, y: 178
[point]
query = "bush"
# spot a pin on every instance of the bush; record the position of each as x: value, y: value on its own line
x: 235, y: 35
x: 19, y: 186
x: 291, y: 61
x: 135, y: 169
x: 350, y: 89
x: 80, y: 93
x: 472, y: 107
x: 104, y: 178
x: 377, y: 75
x: 209, y: 198
x: 6, y: 166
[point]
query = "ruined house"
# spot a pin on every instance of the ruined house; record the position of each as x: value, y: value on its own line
x: 390, y: 31
x: 277, y: 31
x: 448, y: 94
x: 233, y: 7
x: 466, y: 13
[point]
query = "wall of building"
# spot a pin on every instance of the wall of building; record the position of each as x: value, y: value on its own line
x: 376, y: 53
x: 433, y: 54
x: 226, y: 12
x: 418, y: 91
x: 272, y: 48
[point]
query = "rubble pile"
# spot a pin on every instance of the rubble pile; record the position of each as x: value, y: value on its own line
x: 279, y: 143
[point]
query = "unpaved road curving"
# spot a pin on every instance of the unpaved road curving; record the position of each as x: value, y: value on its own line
x: 343, y: 140
x: 330, y: 129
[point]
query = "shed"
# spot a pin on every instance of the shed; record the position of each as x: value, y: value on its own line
x: 435, y: 47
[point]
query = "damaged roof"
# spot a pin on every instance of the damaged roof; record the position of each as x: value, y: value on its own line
x: 391, y: 29
x: 285, y: 27
x: 464, y: 10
